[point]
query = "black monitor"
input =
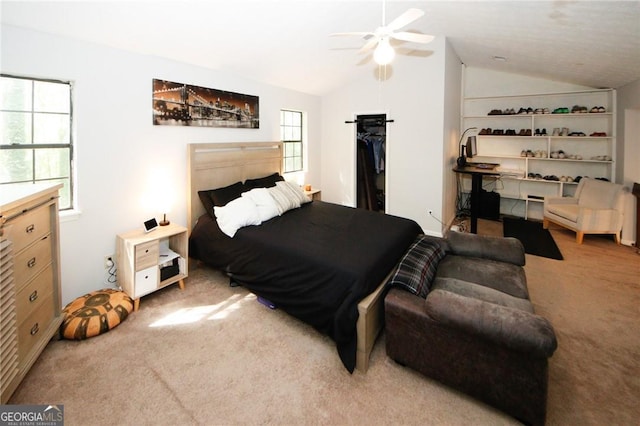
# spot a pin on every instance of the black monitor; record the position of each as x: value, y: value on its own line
x: 471, y: 149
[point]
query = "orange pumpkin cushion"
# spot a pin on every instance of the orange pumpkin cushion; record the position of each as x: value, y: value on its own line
x: 95, y: 313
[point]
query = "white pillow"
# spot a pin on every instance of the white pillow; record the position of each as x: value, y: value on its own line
x: 264, y: 202
x: 294, y: 191
x: 236, y: 214
x: 282, y: 198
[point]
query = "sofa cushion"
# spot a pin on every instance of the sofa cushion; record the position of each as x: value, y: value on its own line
x: 479, y: 292
x: 565, y: 211
x: 501, y: 276
x: 418, y: 267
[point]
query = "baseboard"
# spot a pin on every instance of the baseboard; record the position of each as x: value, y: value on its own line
x: 629, y: 243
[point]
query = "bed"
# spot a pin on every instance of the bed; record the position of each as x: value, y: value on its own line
x: 323, y: 263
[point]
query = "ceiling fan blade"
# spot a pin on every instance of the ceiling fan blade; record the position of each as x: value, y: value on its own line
x: 373, y: 41
x: 355, y: 33
x: 413, y: 37
x: 405, y: 19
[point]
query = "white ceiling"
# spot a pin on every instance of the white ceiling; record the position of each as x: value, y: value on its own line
x: 286, y: 42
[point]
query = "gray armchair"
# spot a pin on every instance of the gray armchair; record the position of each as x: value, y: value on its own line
x: 476, y: 331
x: 596, y: 208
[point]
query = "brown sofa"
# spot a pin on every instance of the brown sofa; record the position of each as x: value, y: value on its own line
x: 476, y: 331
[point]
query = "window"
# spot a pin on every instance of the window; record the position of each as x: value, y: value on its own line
x: 291, y: 134
x: 36, y: 144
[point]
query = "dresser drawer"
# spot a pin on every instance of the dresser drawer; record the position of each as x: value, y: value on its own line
x: 147, y: 255
x: 34, y: 327
x: 28, y: 227
x: 31, y: 261
x: 34, y: 293
x: 146, y: 281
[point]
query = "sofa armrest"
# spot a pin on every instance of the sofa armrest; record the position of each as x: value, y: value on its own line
x: 513, y: 328
x: 500, y: 249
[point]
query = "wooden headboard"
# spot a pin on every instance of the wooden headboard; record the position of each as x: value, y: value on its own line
x: 214, y: 165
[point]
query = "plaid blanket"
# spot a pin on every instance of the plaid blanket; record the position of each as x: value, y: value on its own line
x: 418, y: 267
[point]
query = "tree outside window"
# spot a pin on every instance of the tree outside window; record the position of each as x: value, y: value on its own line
x: 36, y: 144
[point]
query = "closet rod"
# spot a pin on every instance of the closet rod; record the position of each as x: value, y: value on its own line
x: 355, y: 121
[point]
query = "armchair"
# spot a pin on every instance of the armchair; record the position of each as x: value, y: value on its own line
x: 596, y: 208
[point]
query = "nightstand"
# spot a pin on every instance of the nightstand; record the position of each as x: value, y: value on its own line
x: 315, y: 194
x: 150, y: 261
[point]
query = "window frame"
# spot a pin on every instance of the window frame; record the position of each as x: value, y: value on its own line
x: 35, y: 147
x: 289, y: 144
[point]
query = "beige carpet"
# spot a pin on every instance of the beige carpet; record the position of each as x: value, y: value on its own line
x: 212, y: 355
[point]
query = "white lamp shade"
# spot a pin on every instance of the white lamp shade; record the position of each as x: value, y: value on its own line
x: 384, y: 53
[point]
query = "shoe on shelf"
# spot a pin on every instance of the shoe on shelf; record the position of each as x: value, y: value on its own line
x: 497, y: 112
x: 601, y: 109
x: 594, y: 110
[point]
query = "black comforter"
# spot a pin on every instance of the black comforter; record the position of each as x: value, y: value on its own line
x: 315, y: 262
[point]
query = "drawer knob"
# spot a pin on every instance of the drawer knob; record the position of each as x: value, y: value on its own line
x: 33, y: 296
x: 32, y: 262
x: 29, y: 229
x: 35, y: 329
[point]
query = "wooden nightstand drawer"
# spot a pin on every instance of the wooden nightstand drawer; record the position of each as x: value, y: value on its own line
x: 147, y: 255
x: 146, y: 281
x: 33, y: 294
x: 33, y: 329
x: 31, y: 261
x: 29, y: 227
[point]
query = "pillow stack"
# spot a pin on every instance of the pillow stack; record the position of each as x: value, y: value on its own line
x: 252, y: 205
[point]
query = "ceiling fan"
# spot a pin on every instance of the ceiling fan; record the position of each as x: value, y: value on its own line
x: 381, y: 37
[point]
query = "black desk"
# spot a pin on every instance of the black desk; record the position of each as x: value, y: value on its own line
x: 476, y: 187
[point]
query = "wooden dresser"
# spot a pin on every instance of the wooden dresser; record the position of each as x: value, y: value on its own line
x: 30, y: 300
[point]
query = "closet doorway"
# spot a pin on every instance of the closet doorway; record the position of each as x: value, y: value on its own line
x: 371, y: 138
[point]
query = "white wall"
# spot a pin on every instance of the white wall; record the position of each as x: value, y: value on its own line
x: 452, y: 108
x: 413, y: 95
x: 628, y: 154
x: 628, y: 127
x: 119, y: 151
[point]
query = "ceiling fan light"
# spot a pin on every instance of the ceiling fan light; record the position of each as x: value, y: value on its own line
x: 384, y: 53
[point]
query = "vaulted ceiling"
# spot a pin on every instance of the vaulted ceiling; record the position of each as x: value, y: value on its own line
x: 286, y: 42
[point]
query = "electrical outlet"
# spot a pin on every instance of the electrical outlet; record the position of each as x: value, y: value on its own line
x: 108, y: 261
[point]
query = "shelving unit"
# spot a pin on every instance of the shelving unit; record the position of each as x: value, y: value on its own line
x: 590, y: 155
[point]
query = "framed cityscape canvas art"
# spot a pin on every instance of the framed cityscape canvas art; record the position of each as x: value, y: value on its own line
x: 178, y: 104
